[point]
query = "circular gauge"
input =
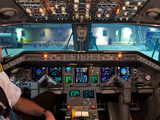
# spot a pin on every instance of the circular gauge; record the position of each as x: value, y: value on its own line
x: 38, y: 71
x: 123, y: 71
x: 148, y: 77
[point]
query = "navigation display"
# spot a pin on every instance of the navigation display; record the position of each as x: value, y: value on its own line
x: 55, y: 73
x: 94, y: 78
x: 74, y: 93
x: 81, y: 75
x: 88, y: 94
x: 68, y: 79
x: 37, y: 73
x: 124, y: 72
x: 106, y: 73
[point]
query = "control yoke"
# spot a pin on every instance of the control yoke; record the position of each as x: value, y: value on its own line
x: 49, y: 79
x: 139, y: 78
x: 125, y: 96
x: 110, y: 81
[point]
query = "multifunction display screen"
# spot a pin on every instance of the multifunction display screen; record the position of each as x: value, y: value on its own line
x: 106, y: 73
x: 124, y: 72
x: 68, y: 79
x: 37, y: 73
x: 74, y: 93
x: 88, y: 94
x: 55, y: 73
x: 81, y: 75
x: 94, y: 78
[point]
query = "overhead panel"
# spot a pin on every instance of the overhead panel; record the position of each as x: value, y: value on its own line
x: 81, y: 11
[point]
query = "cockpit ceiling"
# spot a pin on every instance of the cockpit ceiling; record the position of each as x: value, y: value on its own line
x: 79, y: 11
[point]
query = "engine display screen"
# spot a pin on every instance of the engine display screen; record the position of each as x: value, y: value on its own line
x: 106, y: 73
x: 81, y: 75
x: 68, y: 79
x: 68, y: 69
x: 74, y: 93
x: 55, y: 73
x: 95, y: 79
x: 88, y: 94
x: 124, y: 72
x: 37, y: 73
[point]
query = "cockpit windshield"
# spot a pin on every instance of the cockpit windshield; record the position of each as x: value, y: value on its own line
x: 36, y: 37
x: 118, y: 37
x: 59, y: 37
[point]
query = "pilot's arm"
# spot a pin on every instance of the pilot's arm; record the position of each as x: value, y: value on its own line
x: 28, y: 107
x: 21, y: 104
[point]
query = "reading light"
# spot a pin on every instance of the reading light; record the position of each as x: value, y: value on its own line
x: 125, y: 13
x: 127, y: 18
x: 76, y: 15
x: 120, y: 55
x: 54, y: 12
x: 123, y: 8
x: 30, y: 14
x: 87, y: 9
x: 127, y: 3
x: 46, y: 18
x: 76, y: 1
x: 107, y: 15
x: 139, y: 3
x: 135, y: 8
x: 40, y: 10
x: 45, y: 55
x: 75, y: 6
x: 42, y: 14
x: 28, y: 10
x: 88, y: 6
x: 52, y: 9
x: 64, y: 12
x: 99, y: 15
x: 63, y: 8
x: 76, y: 9
x: 56, y: 6
x: 87, y: 16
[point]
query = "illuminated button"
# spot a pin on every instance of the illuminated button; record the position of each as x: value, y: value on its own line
x: 69, y: 107
x: 93, y: 107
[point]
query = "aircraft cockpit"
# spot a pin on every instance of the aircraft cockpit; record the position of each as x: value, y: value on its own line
x: 100, y: 57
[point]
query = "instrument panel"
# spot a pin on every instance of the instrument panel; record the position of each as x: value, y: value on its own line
x: 72, y: 70
x: 75, y: 76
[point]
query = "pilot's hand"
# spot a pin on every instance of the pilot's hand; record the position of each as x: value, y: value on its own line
x: 49, y: 116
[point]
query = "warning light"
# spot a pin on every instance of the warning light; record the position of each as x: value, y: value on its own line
x: 108, y: 12
x: 120, y: 55
x: 45, y: 55
x: 118, y: 11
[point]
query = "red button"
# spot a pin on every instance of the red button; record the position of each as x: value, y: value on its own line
x: 93, y: 107
x: 69, y: 107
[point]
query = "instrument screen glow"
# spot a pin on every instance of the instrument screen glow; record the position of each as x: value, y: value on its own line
x: 106, y: 73
x: 55, y: 73
x: 37, y: 73
x: 81, y: 75
x: 124, y: 72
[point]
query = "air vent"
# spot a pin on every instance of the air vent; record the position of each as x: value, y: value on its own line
x: 153, y: 13
x: 7, y: 13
